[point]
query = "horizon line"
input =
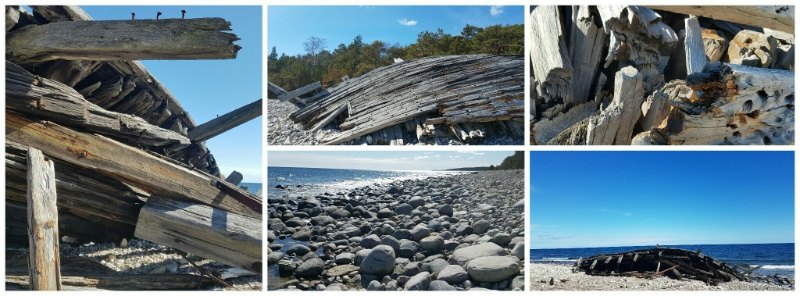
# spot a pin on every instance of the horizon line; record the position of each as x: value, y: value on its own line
x: 695, y: 244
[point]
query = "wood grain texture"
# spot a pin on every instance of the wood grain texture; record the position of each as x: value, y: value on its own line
x: 226, y: 122
x: 552, y: 68
x: 114, y: 158
x: 130, y: 282
x: 614, y: 125
x: 165, y: 39
x: 202, y: 230
x: 43, y: 260
x: 693, y: 45
x: 778, y: 17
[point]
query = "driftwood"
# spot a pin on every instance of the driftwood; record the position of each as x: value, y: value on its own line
x: 586, y: 52
x: 778, y: 17
x: 43, y: 256
x: 649, y: 263
x: 201, y: 38
x: 714, y: 45
x: 226, y: 122
x: 751, y: 48
x: 552, y: 70
x: 12, y: 16
x: 138, y: 167
x: 49, y: 99
x: 446, y: 90
x: 202, y: 230
x: 131, y: 282
x: 694, y: 46
x: 615, y: 124
x: 733, y: 104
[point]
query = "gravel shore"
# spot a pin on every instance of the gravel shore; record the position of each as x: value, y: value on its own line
x: 449, y: 233
x: 563, y: 278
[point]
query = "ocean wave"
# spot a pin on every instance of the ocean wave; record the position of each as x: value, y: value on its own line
x: 781, y: 267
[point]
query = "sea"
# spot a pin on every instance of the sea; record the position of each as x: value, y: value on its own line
x: 251, y: 187
x: 774, y: 258
x: 315, y: 181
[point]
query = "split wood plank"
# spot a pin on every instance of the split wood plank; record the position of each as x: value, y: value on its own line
x: 778, y: 17
x: 202, y: 230
x: 43, y: 256
x: 293, y: 94
x: 52, y: 100
x: 586, y: 52
x: 151, y: 173
x: 693, y: 45
x: 552, y: 68
x: 226, y: 122
x: 614, y: 125
x: 165, y: 39
x: 123, y: 282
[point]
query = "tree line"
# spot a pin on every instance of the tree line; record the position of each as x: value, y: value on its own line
x: 356, y: 58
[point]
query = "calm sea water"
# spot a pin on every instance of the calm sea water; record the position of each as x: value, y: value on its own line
x: 313, y: 181
x: 251, y: 187
x: 775, y: 258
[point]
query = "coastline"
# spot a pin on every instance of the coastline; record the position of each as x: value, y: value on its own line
x: 418, y: 226
x: 564, y: 279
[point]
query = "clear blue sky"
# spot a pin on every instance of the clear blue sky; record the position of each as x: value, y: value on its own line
x: 290, y: 26
x: 388, y: 161
x: 207, y: 88
x: 603, y: 199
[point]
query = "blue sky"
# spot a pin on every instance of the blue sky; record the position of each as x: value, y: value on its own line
x: 207, y: 88
x: 290, y: 26
x: 386, y: 160
x: 603, y: 199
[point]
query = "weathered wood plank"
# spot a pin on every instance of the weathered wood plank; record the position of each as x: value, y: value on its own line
x: 205, y: 231
x: 614, y: 125
x: 778, y: 17
x: 52, y: 100
x: 114, y: 158
x: 226, y: 122
x: 43, y: 259
x: 694, y: 47
x: 12, y: 16
x: 202, y: 38
x: 552, y: 68
x: 293, y: 94
x: 586, y: 52
x: 130, y: 282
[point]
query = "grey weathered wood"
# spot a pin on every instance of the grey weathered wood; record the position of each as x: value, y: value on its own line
x: 129, y: 282
x: 552, y: 68
x: 226, y: 122
x: 694, y: 47
x: 778, y: 17
x: 202, y: 38
x: 714, y: 45
x: 586, y: 52
x: 202, y: 230
x: 12, y: 16
x: 293, y: 94
x: 52, y: 100
x: 234, y: 178
x: 43, y: 258
x: 749, y: 105
x: 145, y: 170
x: 751, y: 48
x: 614, y: 125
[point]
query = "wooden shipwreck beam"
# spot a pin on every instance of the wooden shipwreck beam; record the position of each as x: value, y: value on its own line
x: 136, y: 166
x: 52, y: 100
x: 43, y: 255
x: 202, y: 230
x: 166, y: 39
x: 777, y: 17
x: 121, y: 282
x: 226, y: 122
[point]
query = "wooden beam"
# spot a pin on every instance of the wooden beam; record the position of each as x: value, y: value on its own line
x: 150, y: 172
x: 43, y: 260
x: 12, y: 16
x: 234, y: 178
x: 291, y: 95
x: 693, y: 45
x: 53, y: 100
x: 778, y: 17
x: 201, y: 230
x: 166, y: 39
x: 614, y: 125
x: 550, y: 59
x: 123, y: 282
x: 225, y: 122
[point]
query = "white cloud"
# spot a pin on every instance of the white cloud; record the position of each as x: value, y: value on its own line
x: 496, y: 10
x: 471, y: 152
x: 407, y: 22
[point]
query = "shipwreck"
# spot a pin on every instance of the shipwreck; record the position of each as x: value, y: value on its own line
x: 677, y: 75
x: 97, y: 149
x: 462, y: 99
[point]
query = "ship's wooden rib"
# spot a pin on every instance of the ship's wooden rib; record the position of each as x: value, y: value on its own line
x: 778, y: 17
x: 202, y: 38
x: 43, y: 253
x: 223, y: 123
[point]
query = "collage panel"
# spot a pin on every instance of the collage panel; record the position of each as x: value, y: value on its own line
x: 438, y: 220
x: 396, y: 75
x: 663, y: 220
x: 129, y: 164
x: 662, y: 75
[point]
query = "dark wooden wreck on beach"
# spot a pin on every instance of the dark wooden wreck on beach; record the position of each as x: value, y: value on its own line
x: 670, y: 262
x: 99, y: 150
x: 461, y: 98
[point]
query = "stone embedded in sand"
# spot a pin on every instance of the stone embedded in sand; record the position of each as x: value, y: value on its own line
x: 419, y: 282
x: 380, y: 261
x: 310, y: 268
x: 492, y: 269
x: 453, y: 274
x: 463, y: 255
x: 432, y: 244
x: 403, y: 209
x: 480, y: 226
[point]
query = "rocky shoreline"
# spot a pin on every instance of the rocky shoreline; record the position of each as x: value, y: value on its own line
x: 560, y: 277
x: 462, y: 232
